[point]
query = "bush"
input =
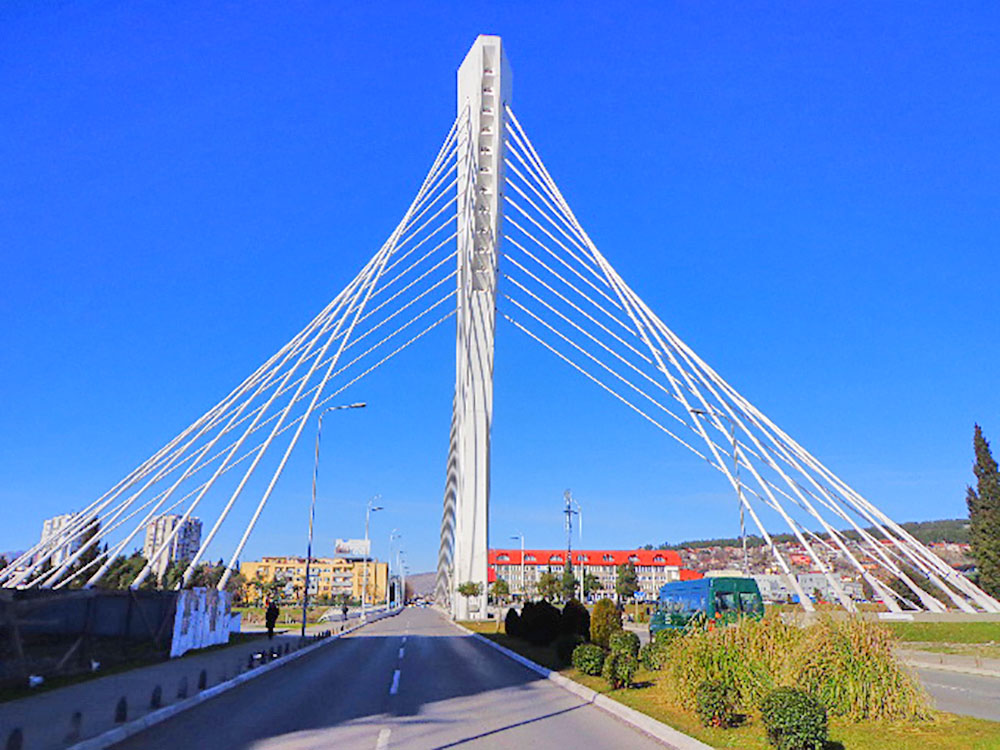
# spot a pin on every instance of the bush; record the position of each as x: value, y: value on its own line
x: 848, y: 665
x: 715, y: 706
x: 605, y: 620
x: 652, y: 656
x: 575, y: 619
x: 626, y: 641
x: 539, y: 623
x: 665, y: 635
x: 565, y: 645
x: 588, y: 658
x: 619, y: 668
x: 794, y: 720
x: 512, y: 623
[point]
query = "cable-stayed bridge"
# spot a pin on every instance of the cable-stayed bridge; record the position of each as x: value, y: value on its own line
x: 490, y: 238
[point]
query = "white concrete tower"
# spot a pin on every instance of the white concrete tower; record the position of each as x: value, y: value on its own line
x: 484, y: 86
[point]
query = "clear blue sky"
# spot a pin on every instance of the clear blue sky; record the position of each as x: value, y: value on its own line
x: 808, y: 193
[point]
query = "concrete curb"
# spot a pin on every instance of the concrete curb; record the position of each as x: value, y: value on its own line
x: 646, y: 724
x: 113, y: 736
x: 959, y: 669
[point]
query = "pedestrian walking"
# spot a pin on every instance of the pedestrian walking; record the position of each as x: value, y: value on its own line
x: 271, y: 617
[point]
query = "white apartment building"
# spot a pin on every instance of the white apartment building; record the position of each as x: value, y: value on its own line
x: 183, y: 546
x: 51, y: 528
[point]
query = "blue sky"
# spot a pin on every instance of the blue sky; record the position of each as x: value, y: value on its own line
x: 807, y: 193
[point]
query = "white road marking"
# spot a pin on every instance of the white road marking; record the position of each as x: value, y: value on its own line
x: 404, y: 639
x: 400, y: 652
x: 395, y: 683
x: 383, y: 739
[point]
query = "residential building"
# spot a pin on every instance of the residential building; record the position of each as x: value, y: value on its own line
x: 328, y: 577
x: 52, y: 527
x: 183, y: 546
x: 653, y: 568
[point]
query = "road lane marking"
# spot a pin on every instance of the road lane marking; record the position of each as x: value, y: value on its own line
x: 400, y: 652
x: 395, y: 683
x: 404, y: 639
x: 383, y: 739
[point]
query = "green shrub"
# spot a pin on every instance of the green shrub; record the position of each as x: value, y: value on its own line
x: 539, y: 623
x: 588, y: 658
x: 794, y: 720
x: 651, y: 656
x: 848, y: 665
x: 715, y: 706
x: 565, y: 644
x: 605, y: 620
x: 512, y: 623
x: 575, y: 619
x: 624, y: 640
x: 619, y: 668
x: 665, y: 635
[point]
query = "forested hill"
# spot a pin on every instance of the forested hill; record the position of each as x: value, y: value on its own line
x: 948, y: 530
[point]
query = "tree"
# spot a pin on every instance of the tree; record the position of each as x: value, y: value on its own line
x: 173, y: 575
x: 470, y: 589
x: 548, y: 585
x: 501, y: 591
x: 628, y: 582
x: 591, y: 583
x: 568, y: 583
x: 605, y: 620
x: 88, y: 556
x: 984, y: 515
x: 3, y: 562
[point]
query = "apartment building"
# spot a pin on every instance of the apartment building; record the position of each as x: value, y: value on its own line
x: 51, y: 528
x: 328, y: 577
x: 183, y: 546
x: 653, y: 568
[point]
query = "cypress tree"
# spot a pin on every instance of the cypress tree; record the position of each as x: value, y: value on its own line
x: 984, y: 515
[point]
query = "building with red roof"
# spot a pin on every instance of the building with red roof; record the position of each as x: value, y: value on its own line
x: 653, y: 568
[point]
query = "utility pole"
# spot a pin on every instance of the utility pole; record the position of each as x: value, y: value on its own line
x: 371, y: 508
x: 312, y: 506
x: 569, y: 512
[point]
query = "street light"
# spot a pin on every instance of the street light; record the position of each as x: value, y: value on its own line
x: 736, y: 478
x: 521, y: 536
x: 312, y: 505
x: 388, y: 578
x: 370, y: 508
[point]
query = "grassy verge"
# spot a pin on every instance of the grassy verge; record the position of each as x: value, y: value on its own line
x: 946, y: 632
x: 944, y: 732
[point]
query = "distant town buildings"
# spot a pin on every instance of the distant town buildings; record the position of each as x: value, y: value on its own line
x: 653, y: 568
x: 53, y: 527
x: 183, y: 546
x: 328, y: 577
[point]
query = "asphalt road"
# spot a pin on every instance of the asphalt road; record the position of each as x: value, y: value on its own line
x: 972, y: 695
x: 412, y: 681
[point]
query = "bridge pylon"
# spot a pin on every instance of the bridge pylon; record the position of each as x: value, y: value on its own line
x: 484, y: 93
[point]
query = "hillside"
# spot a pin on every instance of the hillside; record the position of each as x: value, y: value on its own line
x: 947, y: 530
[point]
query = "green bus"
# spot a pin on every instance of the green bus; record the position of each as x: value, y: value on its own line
x: 714, y: 600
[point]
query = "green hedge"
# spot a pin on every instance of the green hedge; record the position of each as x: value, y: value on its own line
x: 794, y: 720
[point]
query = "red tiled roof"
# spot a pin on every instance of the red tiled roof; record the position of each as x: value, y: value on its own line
x: 588, y: 556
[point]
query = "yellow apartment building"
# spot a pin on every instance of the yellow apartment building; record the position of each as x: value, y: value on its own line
x: 328, y: 577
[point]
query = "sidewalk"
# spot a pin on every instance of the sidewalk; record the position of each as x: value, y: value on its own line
x: 58, y: 718
x: 951, y: 662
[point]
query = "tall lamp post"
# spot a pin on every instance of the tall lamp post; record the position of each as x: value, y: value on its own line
x: 388, y: 578
x: 523, y: 590
x: 312, y: 506
x: 736, y: 477
x: 370, y: 508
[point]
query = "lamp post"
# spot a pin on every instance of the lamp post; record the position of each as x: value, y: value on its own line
x: 388, y: 561
x: 401, y: 567
x: 736, y: 478
x: 370, y: 508
x: 521, y: 536
x: 312, y: 506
